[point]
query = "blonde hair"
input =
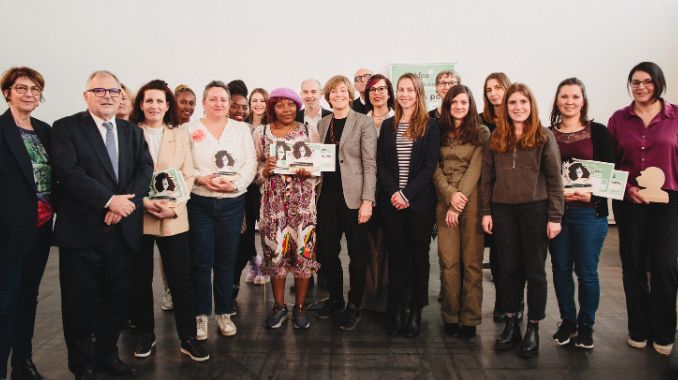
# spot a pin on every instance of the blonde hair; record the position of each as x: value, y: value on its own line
x: 419, y: 119
x: 334, y: 82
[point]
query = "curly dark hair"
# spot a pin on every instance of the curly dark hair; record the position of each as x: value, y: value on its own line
x: 219, y: 159
x: 171, y: 117
x: 297, y: 150
x: 572, y: 171
x: 237, y: 87
x: 158, y: 182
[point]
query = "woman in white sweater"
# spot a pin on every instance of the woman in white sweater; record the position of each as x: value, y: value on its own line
x: 225, y: 164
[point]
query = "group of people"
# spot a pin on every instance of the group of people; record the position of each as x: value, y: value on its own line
x: 490, y: 177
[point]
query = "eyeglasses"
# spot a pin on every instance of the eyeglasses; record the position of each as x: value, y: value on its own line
x: 647, y: 83
x: 447, y: 84
x: 101, y: 92
x: 375, y: 90
x: 362, y: 78
x: 21, y: 90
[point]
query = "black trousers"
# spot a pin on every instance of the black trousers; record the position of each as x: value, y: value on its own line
x: 520, y: 235
x: 94, y: 290
x: 19, y: 285
x: 495, y: 269
x: 246, y: 245
x: 648, y: 240
x: 176, y: 261
x: 335, y: 219
x: 408, y: 239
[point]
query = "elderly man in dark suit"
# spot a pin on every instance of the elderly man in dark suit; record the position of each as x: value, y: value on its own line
x: 103, y: 166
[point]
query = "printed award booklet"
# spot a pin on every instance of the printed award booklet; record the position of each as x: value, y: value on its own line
x: 596, y: 177
x: 293, y: 155
x: 617, y: 185
x: 168, y: 184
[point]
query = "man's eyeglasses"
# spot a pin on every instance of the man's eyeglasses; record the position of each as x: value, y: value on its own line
x: 647, y: 83
x: 447, y: 84
x: 375, y: 90
x: 21, y: 90
x: 362, y: 78
x: 101, y: 92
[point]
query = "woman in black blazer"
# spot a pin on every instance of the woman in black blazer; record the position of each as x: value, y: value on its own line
x: 25, y: 216
x: 407, y: 155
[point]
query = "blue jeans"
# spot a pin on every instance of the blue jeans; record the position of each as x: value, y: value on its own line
x: 214, y: 233
x: 578, y: 245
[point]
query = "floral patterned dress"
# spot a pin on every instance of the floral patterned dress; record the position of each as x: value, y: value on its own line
x: 288, y: 211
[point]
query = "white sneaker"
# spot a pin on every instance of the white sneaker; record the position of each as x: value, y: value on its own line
x: 226, y: 325
x: 663, y: 349
x: 636, y: 343
x: 201, y: 327
x: 167, y: 303
x: 261, y: 280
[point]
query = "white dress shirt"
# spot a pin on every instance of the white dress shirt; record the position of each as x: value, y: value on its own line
x: 313, y: 121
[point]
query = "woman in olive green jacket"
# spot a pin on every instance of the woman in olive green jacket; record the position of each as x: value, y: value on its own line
x: 460, y: 236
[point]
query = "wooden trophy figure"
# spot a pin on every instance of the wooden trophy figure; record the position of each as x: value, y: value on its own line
x: 651, y: 180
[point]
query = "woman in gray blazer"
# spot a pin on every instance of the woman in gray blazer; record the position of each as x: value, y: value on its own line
x: 346, y: 200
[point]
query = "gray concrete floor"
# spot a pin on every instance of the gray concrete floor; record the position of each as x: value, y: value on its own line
x: 323, y: 352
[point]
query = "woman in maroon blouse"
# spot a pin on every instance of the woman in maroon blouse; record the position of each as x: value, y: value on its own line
x: 646, y: 133
x: 584, y: 224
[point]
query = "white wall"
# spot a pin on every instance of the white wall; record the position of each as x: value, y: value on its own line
x: 275, y: 43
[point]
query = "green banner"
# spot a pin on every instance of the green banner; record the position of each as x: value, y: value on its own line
x: 427, y: 72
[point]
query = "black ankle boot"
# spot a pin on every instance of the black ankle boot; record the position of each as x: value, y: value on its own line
x: 26, y: 370
x: 452, y: 329
x: 413, y: 326
x: 467, y: 332
x: 530, y: 346
x: 397, y: 317
x: 510, y: 336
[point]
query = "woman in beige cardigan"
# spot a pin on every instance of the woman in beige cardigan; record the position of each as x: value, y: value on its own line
x: 165, y: 221
x: 460, y: 237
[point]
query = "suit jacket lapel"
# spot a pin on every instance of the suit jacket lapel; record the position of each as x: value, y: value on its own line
x: 16, y: 145
x: 92, y: 133
x: 124, y: 148
x: 322, y: 129
x: 416, y: 146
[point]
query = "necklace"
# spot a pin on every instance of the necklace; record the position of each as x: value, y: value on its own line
x: 331, y: 130
x: 380, y: 116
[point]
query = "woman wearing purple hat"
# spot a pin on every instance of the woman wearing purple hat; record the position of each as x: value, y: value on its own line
x: 288, y: 213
